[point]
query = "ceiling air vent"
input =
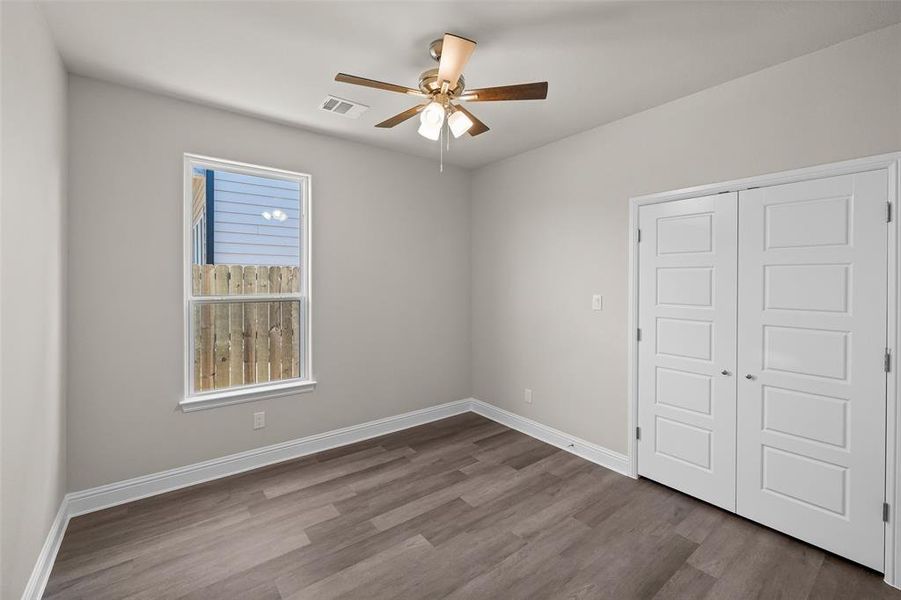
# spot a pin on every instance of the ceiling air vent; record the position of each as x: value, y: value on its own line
x: 345, y: 108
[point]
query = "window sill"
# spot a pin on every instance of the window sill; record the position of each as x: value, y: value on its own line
x: 228, y: 397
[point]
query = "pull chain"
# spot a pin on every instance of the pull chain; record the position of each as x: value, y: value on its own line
x: 444, y: 145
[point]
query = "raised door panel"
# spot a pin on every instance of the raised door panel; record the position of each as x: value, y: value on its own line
x: 687, y: 281
x: 811, y: 330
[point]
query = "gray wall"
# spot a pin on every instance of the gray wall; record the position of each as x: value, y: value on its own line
x: 391, y: 282
x: 550, y: 227
x: 32, y: 269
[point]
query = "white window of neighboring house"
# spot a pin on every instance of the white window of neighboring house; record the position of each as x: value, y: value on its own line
x: 247, y: 282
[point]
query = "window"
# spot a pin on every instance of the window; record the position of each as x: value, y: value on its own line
x: 247, y: 282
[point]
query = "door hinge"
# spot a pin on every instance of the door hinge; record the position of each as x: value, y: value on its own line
x: 885, y: 512
x: 888, y: 361
x: 639, y: 235
x: 888, y: 213
x: 638, y: 433
x: 638, y: 334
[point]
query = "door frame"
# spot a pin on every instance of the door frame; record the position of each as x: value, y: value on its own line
x: 890, y: 162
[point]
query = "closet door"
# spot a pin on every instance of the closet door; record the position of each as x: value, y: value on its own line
x: 686, y: 388
x: 812, y: 337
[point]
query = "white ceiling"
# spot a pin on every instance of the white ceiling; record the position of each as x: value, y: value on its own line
x: 604, y: 60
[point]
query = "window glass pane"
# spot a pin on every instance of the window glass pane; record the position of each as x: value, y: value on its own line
x: 246, y: 343
x: 235, y: 280
x: 249, y: 222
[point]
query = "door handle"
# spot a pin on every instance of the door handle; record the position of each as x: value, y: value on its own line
x: 725, y: 372
x: 749, y: 376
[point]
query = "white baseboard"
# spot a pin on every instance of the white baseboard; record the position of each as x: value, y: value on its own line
x: 34, y: 589
x: 165, y: 481
x: 105, y: 496
x: 591, y: 452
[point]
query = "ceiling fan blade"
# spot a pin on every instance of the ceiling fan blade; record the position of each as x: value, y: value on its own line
x: 379, y: 85
x: 455, y: 53
x: 477, y: 126
x: 401, y: 117
x: 522, y: 91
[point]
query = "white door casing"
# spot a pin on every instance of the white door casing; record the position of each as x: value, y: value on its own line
x: 812, y: 314
x: 687, y: 354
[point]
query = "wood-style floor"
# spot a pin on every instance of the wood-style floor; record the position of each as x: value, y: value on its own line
x: 462, y: 508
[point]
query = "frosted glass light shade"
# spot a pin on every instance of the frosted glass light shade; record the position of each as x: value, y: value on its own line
x: 459, y: 123
x: 433, y: 114
x: 429, y: 131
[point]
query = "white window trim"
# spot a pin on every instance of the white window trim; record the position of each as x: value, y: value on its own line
x: 191, y: 401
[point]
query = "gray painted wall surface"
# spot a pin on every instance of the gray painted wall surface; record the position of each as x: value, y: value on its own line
x: 32, y: 279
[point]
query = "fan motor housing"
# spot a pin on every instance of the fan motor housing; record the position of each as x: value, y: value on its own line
x: 429, y: 84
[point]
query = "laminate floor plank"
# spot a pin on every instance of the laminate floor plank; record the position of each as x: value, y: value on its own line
x: 523, y: 563
x: 303, y: 572
x: 461, y: 508
x: 687, y: 582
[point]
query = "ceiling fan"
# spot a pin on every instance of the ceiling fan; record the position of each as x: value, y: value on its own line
x: 443, y: 89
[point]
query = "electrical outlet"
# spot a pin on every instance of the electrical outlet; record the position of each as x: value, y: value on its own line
x: 597, y: 302
x: 259, y: 420
x: 527, y: 396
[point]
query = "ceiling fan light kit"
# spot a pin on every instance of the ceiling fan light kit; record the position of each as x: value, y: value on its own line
x: 428, y: 131
x: 459, y: 123
x: 443, y: 89
x: 432, y: 114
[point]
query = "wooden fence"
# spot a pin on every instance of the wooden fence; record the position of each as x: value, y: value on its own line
x: 247, y: 342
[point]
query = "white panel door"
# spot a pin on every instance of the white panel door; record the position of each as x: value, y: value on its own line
x: 686, y: 384
x: 812, y: 337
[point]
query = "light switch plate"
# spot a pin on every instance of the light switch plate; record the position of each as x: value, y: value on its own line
x: 597, y: 302
x: 259, y: 420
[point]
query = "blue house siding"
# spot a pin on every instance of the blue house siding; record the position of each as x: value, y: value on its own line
x: 241, y: 235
